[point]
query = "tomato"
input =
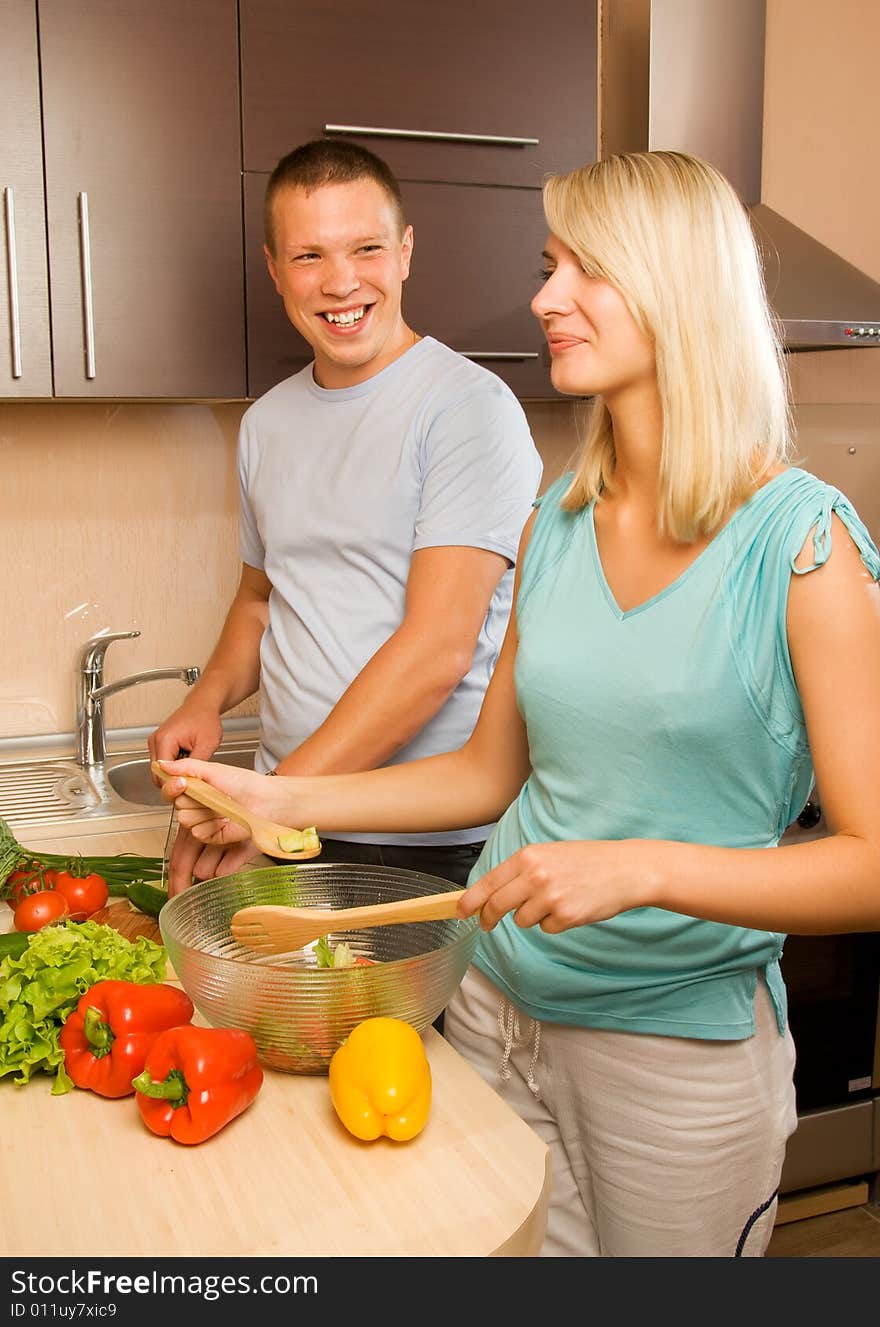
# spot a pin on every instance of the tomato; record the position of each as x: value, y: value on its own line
x: 85, y: 894
x: 28, y: 879
x: 39, y: 910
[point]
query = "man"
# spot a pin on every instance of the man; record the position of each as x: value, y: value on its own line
x: 383, y: 492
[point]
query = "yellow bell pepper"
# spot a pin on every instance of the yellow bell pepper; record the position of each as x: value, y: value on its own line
x: 380, y: 1081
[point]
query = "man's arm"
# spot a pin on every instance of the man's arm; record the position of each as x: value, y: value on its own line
x: 411, y: 676
x: 231, y: 675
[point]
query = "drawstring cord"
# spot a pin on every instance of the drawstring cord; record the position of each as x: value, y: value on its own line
x: 511, y: 1035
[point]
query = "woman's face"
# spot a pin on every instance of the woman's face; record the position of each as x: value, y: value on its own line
x: 596, y: 346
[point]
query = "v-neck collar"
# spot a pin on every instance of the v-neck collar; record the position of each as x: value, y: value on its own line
x: 622, y: 614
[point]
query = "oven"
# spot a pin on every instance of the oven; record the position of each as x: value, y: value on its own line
x: 833, y: 984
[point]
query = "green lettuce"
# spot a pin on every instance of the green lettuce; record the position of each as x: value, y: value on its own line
x: 40, y: 988
x: 328, y: 957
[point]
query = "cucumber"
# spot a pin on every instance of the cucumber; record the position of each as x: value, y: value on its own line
x: 299, y: 840
x: 147, y: 898
x: 117, y: 888
x: 14, y: 943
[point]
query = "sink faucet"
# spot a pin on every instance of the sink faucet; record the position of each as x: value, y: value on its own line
x: 92, y: 691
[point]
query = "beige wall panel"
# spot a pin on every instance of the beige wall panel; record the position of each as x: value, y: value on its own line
x: 827, y: 376
x: 125, y: 516
x: 821, y: 158
x: 117, y: 517
x: 841, y: 444
x: 821, y: 152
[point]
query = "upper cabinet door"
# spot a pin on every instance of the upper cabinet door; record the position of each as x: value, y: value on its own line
x: 25, y: 352
x: 143, y: 188
x: 468, y: 91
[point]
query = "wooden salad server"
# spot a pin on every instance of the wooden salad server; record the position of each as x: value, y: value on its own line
x: 271, y: 929
x: 266, y: 834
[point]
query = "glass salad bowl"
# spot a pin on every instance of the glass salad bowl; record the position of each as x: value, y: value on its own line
x: 297, y: 1012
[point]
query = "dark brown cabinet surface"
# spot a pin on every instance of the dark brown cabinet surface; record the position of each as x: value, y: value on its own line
x: 142, y: 163
x: 496, y: 69
x: 474, y: 271
x: 25, y: 350
x: 128, y: 126
x: 471, y: 103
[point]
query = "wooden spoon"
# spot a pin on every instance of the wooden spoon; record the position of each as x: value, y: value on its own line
x: 271, y: 929
x: 265, y: 833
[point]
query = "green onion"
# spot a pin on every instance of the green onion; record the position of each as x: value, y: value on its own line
x: 119, y: 871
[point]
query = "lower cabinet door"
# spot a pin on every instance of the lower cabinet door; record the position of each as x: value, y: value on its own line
x: 475, y: 269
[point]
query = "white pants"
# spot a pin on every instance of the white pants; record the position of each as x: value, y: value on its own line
x: 660, y: 1146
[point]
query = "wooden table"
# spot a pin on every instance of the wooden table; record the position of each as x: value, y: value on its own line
x: 83, y: 1176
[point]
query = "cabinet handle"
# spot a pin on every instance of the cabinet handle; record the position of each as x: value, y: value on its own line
x: 491, y: 139
x: 85, y: 255
x: 12, y: 273
x: 499, y: 354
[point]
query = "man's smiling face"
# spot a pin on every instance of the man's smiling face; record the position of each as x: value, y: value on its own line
x: 339, y: 260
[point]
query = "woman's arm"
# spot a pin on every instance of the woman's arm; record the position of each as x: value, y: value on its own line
x: 471, y: 786
x: 826, y: 886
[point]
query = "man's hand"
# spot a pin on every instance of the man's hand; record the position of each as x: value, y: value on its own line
x: 191, y: 860
x: 194, y: 728
x: 208, y: 845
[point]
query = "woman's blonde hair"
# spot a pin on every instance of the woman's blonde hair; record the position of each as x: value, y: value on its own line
x: 670, y: 234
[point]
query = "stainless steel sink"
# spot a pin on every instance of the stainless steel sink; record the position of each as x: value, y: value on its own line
x: 51, y: 792
x: 133, y: 782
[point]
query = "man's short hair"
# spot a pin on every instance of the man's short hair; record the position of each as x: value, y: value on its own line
x: 327, y: 161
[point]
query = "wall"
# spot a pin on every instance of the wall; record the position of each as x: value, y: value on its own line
x: 820, y: 169
x: 111, y: 517
x: 821, y: 110
x: 123, y: 517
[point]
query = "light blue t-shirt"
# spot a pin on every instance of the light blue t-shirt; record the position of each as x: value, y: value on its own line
x: 679, y: 720
x: 338, y: 489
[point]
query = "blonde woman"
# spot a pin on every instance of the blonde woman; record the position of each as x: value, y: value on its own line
x: 697, y: 633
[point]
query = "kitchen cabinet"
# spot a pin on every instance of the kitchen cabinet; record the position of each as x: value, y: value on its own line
x: 141, y: 154
x: 128, y: 274
x: 473, y: 92
x: 470, y: 106
x: 25, y: 357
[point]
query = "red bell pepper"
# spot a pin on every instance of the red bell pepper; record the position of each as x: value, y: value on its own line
x: 106, y: 1038
x: 196, y: 1080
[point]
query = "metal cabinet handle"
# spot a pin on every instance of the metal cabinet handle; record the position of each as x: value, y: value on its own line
x: 12, y: 276
x: 85, y: 255
x: 499, y: 354
x: 374, y: 132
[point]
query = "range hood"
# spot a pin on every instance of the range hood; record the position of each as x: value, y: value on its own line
x: 821, y: 300
x: 688, y: 75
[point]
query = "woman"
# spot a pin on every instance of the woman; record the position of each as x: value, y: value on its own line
x: 697, y: 632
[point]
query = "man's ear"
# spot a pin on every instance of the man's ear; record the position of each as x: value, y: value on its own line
x: 406, y: 249
x: 270, y: 263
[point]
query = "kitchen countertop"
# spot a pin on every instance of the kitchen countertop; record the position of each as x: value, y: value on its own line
x: 283, y: 1179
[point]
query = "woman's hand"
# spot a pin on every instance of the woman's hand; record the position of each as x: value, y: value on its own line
x: 560, y: 885
x: 244, y: 786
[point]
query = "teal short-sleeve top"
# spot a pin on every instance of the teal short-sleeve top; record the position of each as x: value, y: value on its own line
x: 678, y: 720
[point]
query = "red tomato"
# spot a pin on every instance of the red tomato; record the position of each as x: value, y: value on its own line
x: 29, y: 879
x: 85, y: 894
x: 39, y: 910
